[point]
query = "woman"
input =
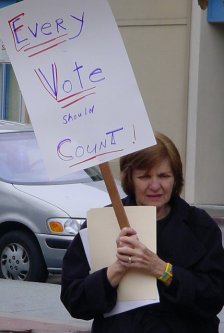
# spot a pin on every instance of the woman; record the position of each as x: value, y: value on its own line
x: 189, y: 264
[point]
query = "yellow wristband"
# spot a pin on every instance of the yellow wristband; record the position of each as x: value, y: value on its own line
x: 168, y: 274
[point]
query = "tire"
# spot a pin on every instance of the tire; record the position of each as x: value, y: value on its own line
x: 21, y: 258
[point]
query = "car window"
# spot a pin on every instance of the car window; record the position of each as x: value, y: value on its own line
x: 21, y: 162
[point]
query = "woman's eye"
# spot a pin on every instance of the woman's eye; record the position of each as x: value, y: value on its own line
x: 164, y: 176
x: 143, y: 177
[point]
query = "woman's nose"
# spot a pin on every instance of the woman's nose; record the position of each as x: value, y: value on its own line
x: 154, y: 184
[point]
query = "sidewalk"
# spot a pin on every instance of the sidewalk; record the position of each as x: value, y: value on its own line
x: 37, y: 307
x: 26, y: 306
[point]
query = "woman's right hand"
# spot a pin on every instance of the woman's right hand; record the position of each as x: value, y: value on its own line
x: 116, y: 271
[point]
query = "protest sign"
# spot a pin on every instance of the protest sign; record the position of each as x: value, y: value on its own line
x: 77, y: 82
x: 78, y: 85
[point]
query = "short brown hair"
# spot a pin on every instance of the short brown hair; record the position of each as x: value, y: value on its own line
x: 150, y: 157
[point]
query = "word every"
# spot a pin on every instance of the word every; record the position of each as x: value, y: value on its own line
x: 67, y: 150
x: 24, y: 34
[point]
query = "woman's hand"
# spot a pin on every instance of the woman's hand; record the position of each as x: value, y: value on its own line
x: 131, y: 253
x: 127, y: 231
x: 116, y: 271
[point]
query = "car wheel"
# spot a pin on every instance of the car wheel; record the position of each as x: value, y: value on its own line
x: 21, y: 258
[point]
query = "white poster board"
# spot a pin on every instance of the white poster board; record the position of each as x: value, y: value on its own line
x: 77, y: 82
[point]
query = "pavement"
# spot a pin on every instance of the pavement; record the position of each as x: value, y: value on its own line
x: 35, y: 307
x: 31, y: 307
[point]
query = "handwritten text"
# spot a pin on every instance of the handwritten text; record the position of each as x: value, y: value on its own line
x: 70, y: 117
x: 41, y: 36
x: 76, y: 87
x: 68, y: 151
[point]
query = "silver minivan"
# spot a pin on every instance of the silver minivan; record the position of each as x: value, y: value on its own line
x: 39, y: 217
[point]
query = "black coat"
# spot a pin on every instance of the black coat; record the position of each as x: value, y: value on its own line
x: 191, y: 241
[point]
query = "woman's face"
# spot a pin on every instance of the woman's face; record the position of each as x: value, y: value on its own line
x: 154, y: 187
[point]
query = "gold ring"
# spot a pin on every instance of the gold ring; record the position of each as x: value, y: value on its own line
x: 129, y: 260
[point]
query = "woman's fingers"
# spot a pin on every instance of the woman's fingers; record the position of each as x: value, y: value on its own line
x: 125, y: 260
x: 125, y: 232
x: 131, y: 241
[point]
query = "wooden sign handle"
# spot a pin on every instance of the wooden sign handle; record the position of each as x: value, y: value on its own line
x: 114, y: 195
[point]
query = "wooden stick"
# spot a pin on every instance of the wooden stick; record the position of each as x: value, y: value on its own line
x: 114, y: 195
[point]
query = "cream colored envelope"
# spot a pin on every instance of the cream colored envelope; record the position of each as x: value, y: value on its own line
x: 102, y: 231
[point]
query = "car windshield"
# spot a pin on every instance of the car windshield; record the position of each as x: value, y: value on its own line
x: 21, y: 162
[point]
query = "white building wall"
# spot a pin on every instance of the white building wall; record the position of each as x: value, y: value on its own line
x: 209, y: 178
x: 156, y: 34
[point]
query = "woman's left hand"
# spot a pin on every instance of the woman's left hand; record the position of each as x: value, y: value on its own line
x: 134, y: 254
